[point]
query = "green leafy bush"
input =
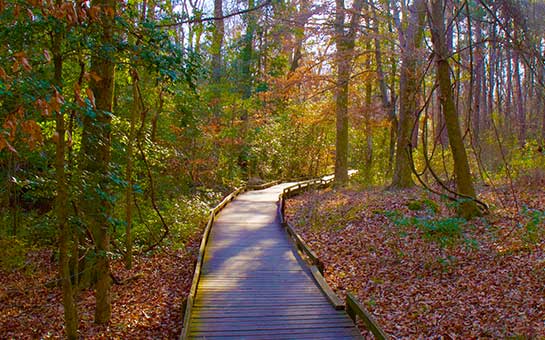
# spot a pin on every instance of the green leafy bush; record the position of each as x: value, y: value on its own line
x: 12, y: 253
x: 533, y: 230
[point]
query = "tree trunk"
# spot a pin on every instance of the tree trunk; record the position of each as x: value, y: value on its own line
x: 410, y: 39
x: 345, y: 49
x: 302, y: 18
x: 61, y: 201
x: 491, y: 75
x: 215, y: 51
x: 248, y: 54
x: 368, y: 129
x: 128, y: 175
x: 478, y: 80
x: 95, y: 151
x: 509, y: 94
x: 468, y: 207
x: 521, y: 116
x: 387, y: 104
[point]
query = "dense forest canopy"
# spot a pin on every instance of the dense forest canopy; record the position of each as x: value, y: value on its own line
x: 122, y: 121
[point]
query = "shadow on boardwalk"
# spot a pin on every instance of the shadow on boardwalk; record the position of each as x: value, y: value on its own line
x: 254, y: 285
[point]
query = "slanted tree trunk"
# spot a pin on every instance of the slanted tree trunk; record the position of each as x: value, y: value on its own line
x: 95, y: 152
x: 410, y: 40
x: 61, y: 201
x: 464, y: 182
x: 345, y: 42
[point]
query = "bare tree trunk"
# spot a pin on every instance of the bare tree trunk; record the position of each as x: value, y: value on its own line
x: 215, y: 51
x: 464, y: 182
x: 128, y: 175
x: 95, y: 151
x: 509, y: 94
x: 302, y: 18
x: 521, y: 116
x: 478, y: 80
x: 61, y: 201
x: 367, y: 115
x: 387, y: 104
x: 410, y: 39
x: 345, y: 50
x: 491, y: 74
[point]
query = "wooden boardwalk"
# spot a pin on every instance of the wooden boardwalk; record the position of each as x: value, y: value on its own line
x: 253, y: 283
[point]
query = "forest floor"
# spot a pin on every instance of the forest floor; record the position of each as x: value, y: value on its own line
x: 423, y: 272
x: 148, y: 306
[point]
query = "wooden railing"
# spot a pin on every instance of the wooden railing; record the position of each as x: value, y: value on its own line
x: 202, y: 249
x: 353, y: 308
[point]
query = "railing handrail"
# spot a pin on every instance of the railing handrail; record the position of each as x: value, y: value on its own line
x: 352, y: 306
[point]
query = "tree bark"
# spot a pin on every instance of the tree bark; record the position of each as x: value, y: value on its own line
x: 387, y: 103
x: 216, y: 48
x: 128, y: 175
x: 521, y: 115
x: 345, y: 42
x: 302, y: 18
x: 464, y: 182
x: 61, y: 201
x: 478, y: 80
x: 95, y: 151
x: 410, y: 40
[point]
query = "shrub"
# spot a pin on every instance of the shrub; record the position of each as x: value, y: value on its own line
x: 12, y: 253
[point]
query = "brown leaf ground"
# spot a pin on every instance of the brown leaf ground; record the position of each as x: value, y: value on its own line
x: 487, y: 283
x: 149, y: 307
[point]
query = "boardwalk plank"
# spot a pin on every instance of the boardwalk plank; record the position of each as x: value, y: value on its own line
x: 253, y: 283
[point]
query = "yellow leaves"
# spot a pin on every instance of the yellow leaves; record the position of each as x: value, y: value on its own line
x: 91, y: 97
x: 91, y: 75
x: 5, y: 144
x: 94, y: 13
x: 26, y: 64
x: 3, y: 74
x: 10, y: 125
x: 77, y: 97
x: 56, y: 102
x: 20, y: 60
x: 15, y: 66
x: 33, y: 132
x: 47, y: 56
x: 42, y: 106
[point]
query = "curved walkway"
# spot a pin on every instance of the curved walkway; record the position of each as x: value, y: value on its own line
x: 254, y: 285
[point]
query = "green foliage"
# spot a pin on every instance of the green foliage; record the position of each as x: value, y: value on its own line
x: 533, y: 231
x: 446, y: 231
x: 333, y: 216
x: 12, y: 253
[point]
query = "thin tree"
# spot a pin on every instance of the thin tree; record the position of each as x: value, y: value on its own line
x: 61, y: 201
x: 216, y: 51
